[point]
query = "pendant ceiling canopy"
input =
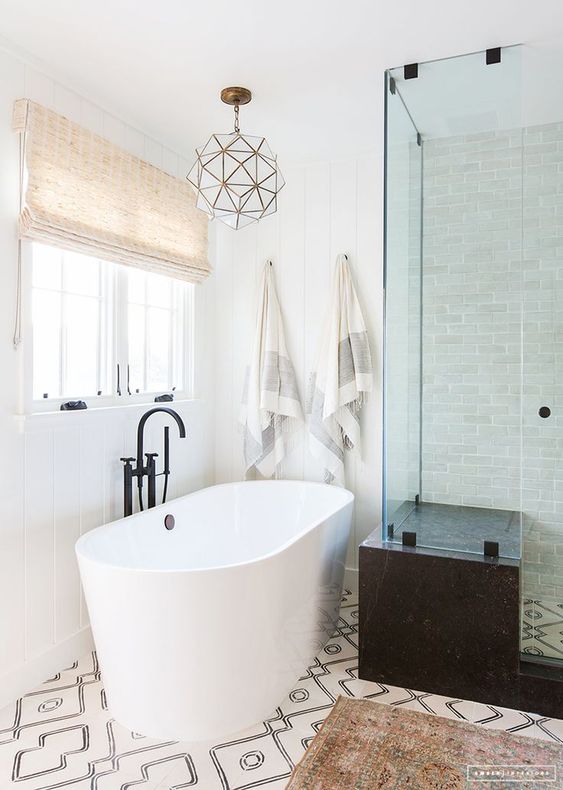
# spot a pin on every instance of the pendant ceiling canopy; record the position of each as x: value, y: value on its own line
x: 236, y: 176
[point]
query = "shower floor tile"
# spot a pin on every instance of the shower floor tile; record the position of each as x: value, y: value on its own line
x: 61, y: 734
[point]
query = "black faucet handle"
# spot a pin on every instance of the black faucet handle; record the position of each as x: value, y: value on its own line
x: 128, y: 460
x: 151, y: 462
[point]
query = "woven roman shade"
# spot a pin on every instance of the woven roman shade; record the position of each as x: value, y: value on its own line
x: 81, y: 192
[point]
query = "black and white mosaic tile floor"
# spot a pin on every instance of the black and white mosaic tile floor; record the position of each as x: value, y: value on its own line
x: 61, y: 735
x: 542, y: 628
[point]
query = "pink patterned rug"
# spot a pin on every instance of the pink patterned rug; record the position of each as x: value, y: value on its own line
x: 365, y: 745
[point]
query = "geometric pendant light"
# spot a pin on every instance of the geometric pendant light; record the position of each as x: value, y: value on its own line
x: 235, y: 176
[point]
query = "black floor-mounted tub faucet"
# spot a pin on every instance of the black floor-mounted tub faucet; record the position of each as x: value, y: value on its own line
x: 148, y: 469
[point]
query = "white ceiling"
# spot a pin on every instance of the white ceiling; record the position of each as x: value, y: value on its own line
x: 315, y: 66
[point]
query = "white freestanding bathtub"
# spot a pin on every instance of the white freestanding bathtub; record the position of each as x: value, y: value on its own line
x: 203, y: 628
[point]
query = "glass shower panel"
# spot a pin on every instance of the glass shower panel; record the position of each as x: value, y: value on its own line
x: 467, y: 111
x: 402, y: 309
x: 542, y: 407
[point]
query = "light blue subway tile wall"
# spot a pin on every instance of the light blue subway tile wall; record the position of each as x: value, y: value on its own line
x: 493, y: 334
x: 542, y: 439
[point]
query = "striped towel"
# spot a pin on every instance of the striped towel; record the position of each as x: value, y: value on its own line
x: 271, y: 407
x: 342, y: 379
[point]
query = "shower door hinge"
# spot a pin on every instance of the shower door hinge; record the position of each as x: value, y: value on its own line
x: 419, y: 139
x: 410, y: 71
x: 392, y: 86
x: 492, y: 56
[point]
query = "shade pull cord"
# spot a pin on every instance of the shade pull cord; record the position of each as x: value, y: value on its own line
x: 17, y: 339
x: 18, y: 314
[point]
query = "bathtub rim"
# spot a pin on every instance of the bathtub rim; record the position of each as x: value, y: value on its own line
x: 82, y: 555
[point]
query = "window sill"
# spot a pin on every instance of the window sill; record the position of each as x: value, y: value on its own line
x: 50, y: 419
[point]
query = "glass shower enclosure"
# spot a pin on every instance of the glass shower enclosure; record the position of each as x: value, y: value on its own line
x: 473, y: 384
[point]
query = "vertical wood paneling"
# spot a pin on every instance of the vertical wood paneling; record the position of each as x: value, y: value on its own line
x: 244, y: 326
x: 316, y: 279
x: 66, y: 471
x: 38, y: 87
x: 225, y: 430
x: 115, y: 130
x: 325, y: 209
x: 153, y: 152
x: 12, y: 546
x: 12, y: 552
x: 369, y: 284
x: 68, y: 103
x: 183, y: 167
x: 135, y: 142
x: 169, y: 161
x: 343, y: 239
x: 91, y: 462
x: 39, y: 543
x: 119, y: 440
x: 61, y: 478
x: 92, y: 117
x: 289, y: 274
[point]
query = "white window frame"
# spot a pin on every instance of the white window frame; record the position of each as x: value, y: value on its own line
x: 116, y: 300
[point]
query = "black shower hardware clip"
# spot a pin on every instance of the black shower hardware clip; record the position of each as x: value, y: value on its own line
x: 492, y: 56
x: 491, y: 549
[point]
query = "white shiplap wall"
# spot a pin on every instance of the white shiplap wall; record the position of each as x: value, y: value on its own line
x: 325, y: 209
x: 60, y: 476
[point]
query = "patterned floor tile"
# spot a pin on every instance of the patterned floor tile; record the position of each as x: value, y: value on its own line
x: 542, y: 628
x: 62, y: 736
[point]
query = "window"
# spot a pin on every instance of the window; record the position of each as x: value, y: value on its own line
x: 106, y: 331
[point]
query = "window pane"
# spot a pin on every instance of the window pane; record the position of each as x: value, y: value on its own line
x: 81, y: 333
x: 75, y: 334
x: 81, y: 274
x: 136, y: 286
x: 158, y: 290
x: 46, y: 267
x: 159, y: 345
x: 136, y: 337
x: 46, y: 343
